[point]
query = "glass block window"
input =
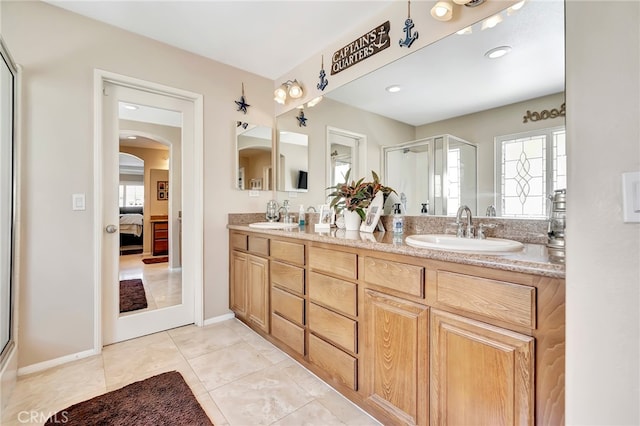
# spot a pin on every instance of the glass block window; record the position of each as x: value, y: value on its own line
x: 453, y: 176
x: 529, y: 167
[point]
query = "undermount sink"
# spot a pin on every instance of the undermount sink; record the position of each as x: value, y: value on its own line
x: 464, y: 245
x: 272, y: 225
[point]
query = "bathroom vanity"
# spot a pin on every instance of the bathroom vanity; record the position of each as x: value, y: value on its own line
x: 411, y: 335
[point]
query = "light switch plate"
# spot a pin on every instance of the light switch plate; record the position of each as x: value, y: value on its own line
x: 254, y: 193
x: 78, y: 202
x: 631, y: 197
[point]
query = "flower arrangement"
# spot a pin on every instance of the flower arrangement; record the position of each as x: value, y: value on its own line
x: 356, y: 196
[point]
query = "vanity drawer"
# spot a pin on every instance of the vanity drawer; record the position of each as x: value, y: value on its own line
x: 287, y: 276
x: 335, y: 293
x: 398, y: 276
x: 508, y: 302
x: 334, y: 327
x: 288, y: 252
x: 288, y: 333
x: 335, y: 262
x: 259, y: 245
x: 239, y: 241
x: 286, y: 304
x: 335, y: 362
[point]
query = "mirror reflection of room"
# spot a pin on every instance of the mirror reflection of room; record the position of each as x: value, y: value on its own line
x: 255, y: 171
x: 149, y: 211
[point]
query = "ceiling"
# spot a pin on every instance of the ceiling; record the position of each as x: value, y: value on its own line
x: 460, y: 80
x: 267, y: 38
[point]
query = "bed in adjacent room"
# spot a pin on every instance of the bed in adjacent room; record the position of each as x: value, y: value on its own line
x: 131, y: 230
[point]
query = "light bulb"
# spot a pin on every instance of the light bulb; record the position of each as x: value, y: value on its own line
x: 442, y: 11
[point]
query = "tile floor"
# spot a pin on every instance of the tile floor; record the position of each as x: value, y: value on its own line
x: 238, y: 377
x: 163, y: 286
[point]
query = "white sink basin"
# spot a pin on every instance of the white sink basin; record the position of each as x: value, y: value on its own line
x: 272, y: 225
x: 465, y: 245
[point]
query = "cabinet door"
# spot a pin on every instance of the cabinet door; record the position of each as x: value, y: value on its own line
x: 238, y: 280
x: 480, y: 374
x: 258, y: 291
x: 396, y: 352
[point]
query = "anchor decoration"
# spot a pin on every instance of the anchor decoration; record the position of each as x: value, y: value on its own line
x: 302, y: 120
x: 323, y: 80
x: 242, y: 103
x: 408, y: 27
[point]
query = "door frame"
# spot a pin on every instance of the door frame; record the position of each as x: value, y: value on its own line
x: 197, y: 219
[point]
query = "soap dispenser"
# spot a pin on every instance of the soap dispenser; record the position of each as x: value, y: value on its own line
x: 398, y: 220
x: 425, y: 209
x: 301, y: 216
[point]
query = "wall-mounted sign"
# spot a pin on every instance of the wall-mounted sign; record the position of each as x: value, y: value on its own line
x: 360, y: 49
x: 544, y: 114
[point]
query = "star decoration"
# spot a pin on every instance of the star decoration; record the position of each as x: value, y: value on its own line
x: 242, y: 103
x: 302, y: 120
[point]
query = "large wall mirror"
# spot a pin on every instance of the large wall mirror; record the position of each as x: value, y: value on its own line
x: 456, y: 87
x: 8, y: 109
x: 254, y: 170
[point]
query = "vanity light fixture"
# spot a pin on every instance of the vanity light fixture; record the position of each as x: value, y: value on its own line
x: 290, y: 88
x: 497, y: 52
x: 393, y: 89
x: 442, y: 11
x: 516, y: 7
x: 315, y: 101
x: 491, y: 22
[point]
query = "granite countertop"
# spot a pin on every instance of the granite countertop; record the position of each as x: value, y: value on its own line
x: 533, y: 259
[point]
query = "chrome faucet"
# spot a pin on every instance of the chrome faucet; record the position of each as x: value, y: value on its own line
x: 467, y: 231
x: 284, y: 208
x: 491, y: 211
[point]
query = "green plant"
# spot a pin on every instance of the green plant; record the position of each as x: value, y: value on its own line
x: 356, y: 195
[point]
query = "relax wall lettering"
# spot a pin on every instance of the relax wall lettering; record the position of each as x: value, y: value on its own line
x: 360, y: 49
x: 544, y: 114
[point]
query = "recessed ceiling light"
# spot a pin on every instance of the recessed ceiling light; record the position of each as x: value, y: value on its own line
x: 132, y: 137
x: 497, y: 52
x: 130, y: 107
x: 393, y: 89
x: 465, y: 31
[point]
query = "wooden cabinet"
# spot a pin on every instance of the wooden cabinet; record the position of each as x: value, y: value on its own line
x: 249, y: 281
x: 412, y: 341
x: 160, y: 238
x: 480, y: 374
x: 396, y: 348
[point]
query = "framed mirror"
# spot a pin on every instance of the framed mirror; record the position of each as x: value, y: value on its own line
x: 454, y: 87
x: 254, y: 169
x: 8, y: 75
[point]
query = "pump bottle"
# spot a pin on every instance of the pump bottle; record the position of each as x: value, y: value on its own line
x: 398, y: 220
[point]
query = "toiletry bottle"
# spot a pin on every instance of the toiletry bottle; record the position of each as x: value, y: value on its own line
x: 425, y: 209
x: 398, y: 220
x: 301, y: 216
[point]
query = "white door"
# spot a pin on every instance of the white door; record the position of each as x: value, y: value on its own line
x: 118, y: 327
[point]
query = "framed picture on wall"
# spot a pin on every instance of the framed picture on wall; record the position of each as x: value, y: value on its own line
x: 163, y: 190
x: 373, y: 213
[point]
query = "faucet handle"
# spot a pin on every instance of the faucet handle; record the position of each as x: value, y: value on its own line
x: 482, y: 227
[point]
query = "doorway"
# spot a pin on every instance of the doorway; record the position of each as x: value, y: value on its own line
x: 178, y: 227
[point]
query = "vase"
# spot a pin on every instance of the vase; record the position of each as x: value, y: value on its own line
x: 351, y: 220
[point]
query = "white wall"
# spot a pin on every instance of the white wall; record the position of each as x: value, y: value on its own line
x: 59, y: 51
x: 603, y: 253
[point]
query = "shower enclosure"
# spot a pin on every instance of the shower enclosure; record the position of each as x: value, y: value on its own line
x: 439, y: 172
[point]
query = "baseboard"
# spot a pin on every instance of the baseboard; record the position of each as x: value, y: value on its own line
x: 220, y: 318
x: 41, y: 366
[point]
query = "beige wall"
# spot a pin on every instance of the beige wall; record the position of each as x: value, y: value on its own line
x: 603, y: 253
x: 59, y: 51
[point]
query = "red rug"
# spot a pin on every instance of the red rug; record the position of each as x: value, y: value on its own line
x: 160, y: 259
x: 132, y: 296
x: 161, y: 400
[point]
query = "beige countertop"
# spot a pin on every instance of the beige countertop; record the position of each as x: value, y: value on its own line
x: 533, y: 259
